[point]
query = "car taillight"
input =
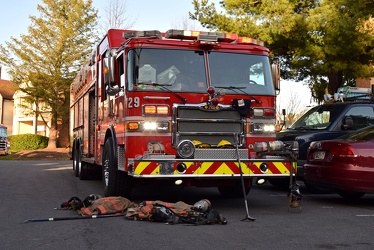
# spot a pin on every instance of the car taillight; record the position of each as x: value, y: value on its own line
x: 343, y: 151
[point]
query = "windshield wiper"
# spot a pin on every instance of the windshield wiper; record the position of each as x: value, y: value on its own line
x: 233, y: 88
x: 162, y: 86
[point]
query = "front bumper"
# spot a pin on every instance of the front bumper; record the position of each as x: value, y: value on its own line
x: 205, y: 168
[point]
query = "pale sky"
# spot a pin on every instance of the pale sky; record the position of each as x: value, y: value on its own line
x: 146, y: 15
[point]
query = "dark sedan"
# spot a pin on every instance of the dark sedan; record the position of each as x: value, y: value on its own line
x: 344, y: 165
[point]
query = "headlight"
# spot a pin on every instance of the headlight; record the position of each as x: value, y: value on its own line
x: 262, y: 128
x: 148, y: 126
x: 159, y: 126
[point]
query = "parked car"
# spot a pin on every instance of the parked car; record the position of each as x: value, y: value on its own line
x: 327, y: 122
x: 344, y: 165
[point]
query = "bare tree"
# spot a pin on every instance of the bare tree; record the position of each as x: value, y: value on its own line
x: 115, y: 16
x: 186, y: 24
x: 294, y: 109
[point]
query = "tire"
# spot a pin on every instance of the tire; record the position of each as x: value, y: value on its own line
x: 351, y: 195
x: 109, y: 164
x: 84, y: 173
x: 234, y: 188
x: 76, y: 160
x: 116, y: 183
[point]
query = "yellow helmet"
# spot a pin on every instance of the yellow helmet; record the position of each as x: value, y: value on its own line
x: 199, y: 144
x: 225, y: 144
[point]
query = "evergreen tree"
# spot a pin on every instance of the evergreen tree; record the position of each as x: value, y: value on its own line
x: 326, y: 43
x: 48, y: 57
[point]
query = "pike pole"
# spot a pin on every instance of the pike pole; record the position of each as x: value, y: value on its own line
x: 74, y: 218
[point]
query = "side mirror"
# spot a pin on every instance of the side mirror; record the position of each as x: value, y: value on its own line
x: 348, y: 123
x: 111, y: 86
x: 275, y: 74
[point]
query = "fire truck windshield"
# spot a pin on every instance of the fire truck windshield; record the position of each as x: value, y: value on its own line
x: 184, y: 71
x: 249, y: 73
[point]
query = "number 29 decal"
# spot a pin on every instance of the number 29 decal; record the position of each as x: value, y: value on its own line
x: 133, y: 102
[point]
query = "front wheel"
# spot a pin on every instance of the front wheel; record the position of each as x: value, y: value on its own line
x: 109, y: 169
x: 115, y: 182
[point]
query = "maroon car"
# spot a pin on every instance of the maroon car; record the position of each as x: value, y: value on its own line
x: 344, y: 165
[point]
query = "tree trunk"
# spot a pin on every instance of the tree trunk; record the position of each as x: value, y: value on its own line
x: 53, y: 131
x: 63, y: 133
x: 335, y: 81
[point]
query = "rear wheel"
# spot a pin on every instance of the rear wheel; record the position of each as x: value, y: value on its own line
x: 84, y: 172
x: 76, y: 160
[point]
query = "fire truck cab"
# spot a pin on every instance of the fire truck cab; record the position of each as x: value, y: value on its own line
x: 189, y: 107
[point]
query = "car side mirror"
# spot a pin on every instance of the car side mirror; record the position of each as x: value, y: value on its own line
x: 348, y: 123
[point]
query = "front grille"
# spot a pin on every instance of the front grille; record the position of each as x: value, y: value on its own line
x: 206, y: 153
x: 3, y: 144
x: 193, y: 122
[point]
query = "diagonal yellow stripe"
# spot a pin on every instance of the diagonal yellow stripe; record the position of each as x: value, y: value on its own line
x: 223, y: 169
x: 281, y: 167
x: 203, y: 167
x: 140, y: 167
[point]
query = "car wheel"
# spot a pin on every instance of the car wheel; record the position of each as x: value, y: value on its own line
x: 351, y: 195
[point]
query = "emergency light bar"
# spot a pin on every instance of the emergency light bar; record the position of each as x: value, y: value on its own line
x: 146, y: 33
x: 202, y: 36
x: 250, y: 40
x: 207, y: 36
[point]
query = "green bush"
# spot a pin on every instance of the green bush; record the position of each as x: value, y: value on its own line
x: 28, y: 142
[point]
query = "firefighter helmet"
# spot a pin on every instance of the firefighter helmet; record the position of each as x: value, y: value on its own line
x: 225, y: 144
x: 199, y: 144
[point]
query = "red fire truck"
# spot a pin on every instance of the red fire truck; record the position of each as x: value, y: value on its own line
x: 186, y: 107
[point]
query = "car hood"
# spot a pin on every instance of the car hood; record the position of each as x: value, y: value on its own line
x: 305, y: 137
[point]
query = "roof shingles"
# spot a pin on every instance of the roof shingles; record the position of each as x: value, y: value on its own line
x: 7, y: 89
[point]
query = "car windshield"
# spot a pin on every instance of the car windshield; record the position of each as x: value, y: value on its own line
x: 184, y: 71
x: 319, y: 117
x: 362, y: 134
x: 3, y: 132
